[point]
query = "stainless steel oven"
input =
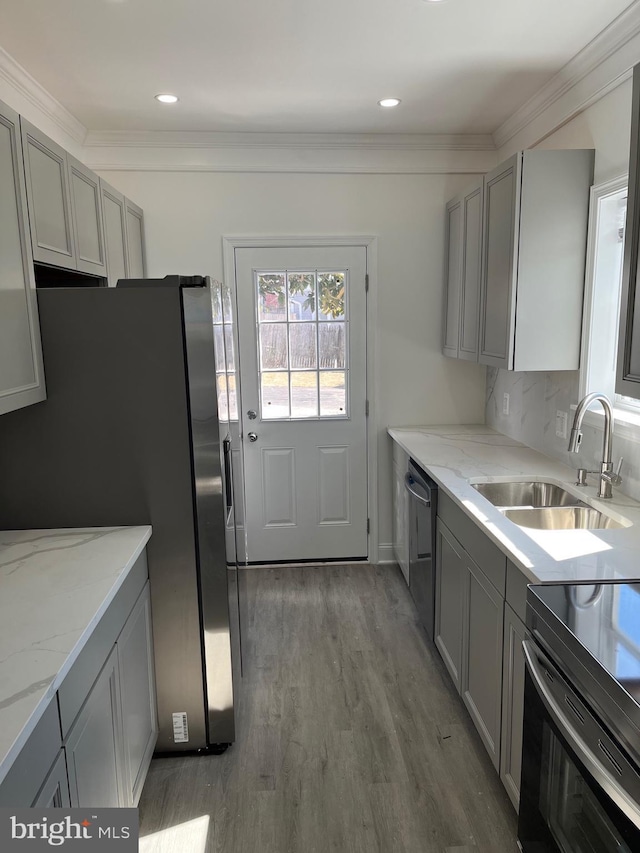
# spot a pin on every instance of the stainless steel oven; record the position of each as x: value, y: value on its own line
x: 580, y: 786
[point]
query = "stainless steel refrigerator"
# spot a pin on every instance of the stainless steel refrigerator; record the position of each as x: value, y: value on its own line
x: 130, y: 434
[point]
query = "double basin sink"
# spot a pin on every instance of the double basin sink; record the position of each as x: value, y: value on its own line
x: 544, y: 506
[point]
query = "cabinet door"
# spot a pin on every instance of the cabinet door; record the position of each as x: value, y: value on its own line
x: 452, y: 278
x: 115, y: 232
x: 94, y: 744
x: 400, y: 510
x: 499, y: 273
x: 87, y: 218
x: 512, y: 705
x: 138, y: 696
x: 49, y: 199
x: 482, y: 657
x: 450, y: 567
x: 21, y: 372
x: 471, y: 274
x: 628, y: 367
x: 54, y: 794
x: 136, y: 265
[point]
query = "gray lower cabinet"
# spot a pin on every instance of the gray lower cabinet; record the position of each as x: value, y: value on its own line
x: 482, y: 657
x: 137, y: 696
x: 54, y: 794
x: 94, y: 745
x: 512, y: 704
x: 21, y: 369
x: 450, y: 580
x: 94, y: 742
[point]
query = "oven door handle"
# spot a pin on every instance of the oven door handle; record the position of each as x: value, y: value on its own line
x: 408, y: 482
x: 533, y: 658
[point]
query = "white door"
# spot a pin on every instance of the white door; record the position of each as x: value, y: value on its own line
x: 302, y: 334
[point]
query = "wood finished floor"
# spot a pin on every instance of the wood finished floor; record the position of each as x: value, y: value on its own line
x: 351, y: 738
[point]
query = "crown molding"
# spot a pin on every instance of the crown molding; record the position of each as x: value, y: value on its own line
x: 27, y: 86
x: 317, y: 169
x: 600, y: 67
x: 308, y: 141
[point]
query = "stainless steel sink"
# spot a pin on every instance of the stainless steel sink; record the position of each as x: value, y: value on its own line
x: 527, y: 495
x: 562, y: 518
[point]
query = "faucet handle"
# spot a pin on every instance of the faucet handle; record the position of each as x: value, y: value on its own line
x: 614, y: 479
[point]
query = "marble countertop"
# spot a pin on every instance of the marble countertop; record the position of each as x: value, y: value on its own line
x: 55, y: 585
x: 457, y: 456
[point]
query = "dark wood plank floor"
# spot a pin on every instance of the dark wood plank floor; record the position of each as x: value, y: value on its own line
x: 351, y: 738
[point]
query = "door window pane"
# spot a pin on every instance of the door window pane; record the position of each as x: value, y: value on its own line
x: 332, y: 393
x: 274, y: 389
x: 273, y: 346
x: 271, y: 298
x: 331, y: 341
x: 302, y: 343
x: 304, y: 395
x: 331, y: 295
x: 302, y: 296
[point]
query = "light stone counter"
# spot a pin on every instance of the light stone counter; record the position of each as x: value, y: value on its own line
x: 55, y: 585
x: 456, y: 456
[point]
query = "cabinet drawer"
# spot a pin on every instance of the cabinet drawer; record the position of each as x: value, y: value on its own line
x: 30, y: 769
x: 476, y: 543
x: 76, y: 686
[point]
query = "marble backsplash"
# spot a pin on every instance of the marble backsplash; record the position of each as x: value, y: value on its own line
x: 534, y: 400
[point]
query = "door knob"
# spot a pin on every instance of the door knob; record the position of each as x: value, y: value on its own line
x: 253, y: 436
x: 252, y: 414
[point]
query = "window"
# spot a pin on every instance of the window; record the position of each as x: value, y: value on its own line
x: 603, y: 292
x: 302, y: 318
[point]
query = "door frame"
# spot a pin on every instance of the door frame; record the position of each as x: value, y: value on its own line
x: 370, y: 243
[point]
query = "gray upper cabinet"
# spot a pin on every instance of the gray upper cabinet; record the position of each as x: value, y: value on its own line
x: 136, y: 264
x: 87, y: 218
x: 472, y: 209
x: 21, y: 370
x: 77, y: 220
x: 502, y: 202
x: 463, y: 270
x: 628, y: 370
x: 536, y: 209
x: 49, y: 196
x: 515, y: 261
x: 115, y: 232
x: 453, y: 278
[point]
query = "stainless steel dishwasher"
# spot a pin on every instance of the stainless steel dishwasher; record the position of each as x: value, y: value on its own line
x: 423, y: 504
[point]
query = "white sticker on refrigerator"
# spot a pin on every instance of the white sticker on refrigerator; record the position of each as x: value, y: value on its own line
x: 180, y: 727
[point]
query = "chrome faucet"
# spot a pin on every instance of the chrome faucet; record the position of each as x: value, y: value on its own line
x: 607, y: 477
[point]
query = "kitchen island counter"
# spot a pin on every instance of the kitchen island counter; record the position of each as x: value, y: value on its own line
x: 55, y: 586
x: 457, y: 456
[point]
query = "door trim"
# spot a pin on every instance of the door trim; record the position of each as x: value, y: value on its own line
x: 370, y: 243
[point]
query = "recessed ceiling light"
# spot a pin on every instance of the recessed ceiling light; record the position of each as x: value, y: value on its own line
x: 389, y: 102
x: 167, y: 99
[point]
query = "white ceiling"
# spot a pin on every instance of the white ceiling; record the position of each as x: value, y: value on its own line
x: 462, y: 66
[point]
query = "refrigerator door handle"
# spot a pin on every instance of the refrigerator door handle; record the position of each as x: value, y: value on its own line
x: 226, y: 445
